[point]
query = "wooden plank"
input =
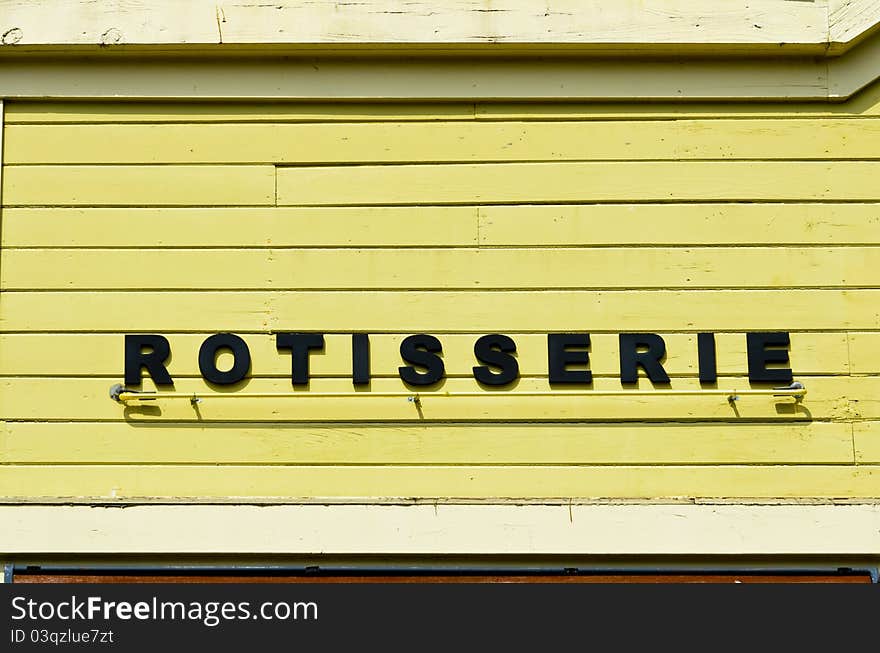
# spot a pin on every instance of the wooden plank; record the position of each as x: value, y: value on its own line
x: 404, y: 142
x: 847, y: 76
x: 87, y: 399
x: 533, y: 444
x: 533, y: 226
x: 91, y: 354
x: 89, y: 113
x: 855, y: 107
x: 568, y: 22
x: 863, y: 104
x: 438, y: 311
x: 28, y: 112
x: 240, y: 227
x: 757, y: 532
x: 348, y: 269
x: 864, y: 352
x: 866, y: 442
x: 138, y: 185
x: 576, y: 182
x: 351, y: 483
x: 432, y: 79
x: 851, y: 20
x: 662, y: 224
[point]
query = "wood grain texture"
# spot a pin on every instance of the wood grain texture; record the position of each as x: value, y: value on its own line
x: 771, y: 224
x: 328, y: 79
x: 539, y: 268
x: 677, y: 528
x: 861, y: 104
x: 242, y: 483
x: 466, y: 218
x: 775, y: 224
x: 242, y: 227
x: 574, y: 182
x: 866, y: 442
x: 426, y: 311
x: 78, y: 443
x: 569, y: 22
x: 150, y: 112
x: 864, y: 352
x: 31, y: 112
x: 452, y: 141
x: 849, y: 21
x: 87, y: 399
x: 138, y: 185
x: 92, y: 354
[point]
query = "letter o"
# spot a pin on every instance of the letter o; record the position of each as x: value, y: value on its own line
x: 208, y: 359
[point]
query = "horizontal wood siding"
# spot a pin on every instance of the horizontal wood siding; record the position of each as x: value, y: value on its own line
x: 427, y: 310
x: 450, y: 444
x: 440, y: 269
x: 456, y: 220
x: 30, y: 398
x: 239, y: 483
x: 424, y: 24
x: 98, y: 354
x: 440, y: 142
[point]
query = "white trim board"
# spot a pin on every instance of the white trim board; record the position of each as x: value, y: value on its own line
x: 597, y: 529
x: 430, y: 79
x: 812, y: 25
x: 778, y: 27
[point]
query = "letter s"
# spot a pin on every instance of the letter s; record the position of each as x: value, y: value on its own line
x: 15, y: 604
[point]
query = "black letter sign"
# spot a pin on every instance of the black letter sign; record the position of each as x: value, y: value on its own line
x: 653, y: 351
x: 154, y: 360
x: 759, y: 355
x: 420, y: 350
x: 241, y: 363
x: 706, y: 357
x: 559, y: 357
x: 299, y: 344
x: 360, y: 358
x: 496, y: 350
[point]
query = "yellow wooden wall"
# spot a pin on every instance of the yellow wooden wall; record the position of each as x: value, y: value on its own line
x: 455, y: 220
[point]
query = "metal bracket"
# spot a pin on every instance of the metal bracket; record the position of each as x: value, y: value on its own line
x: 795, y: 385
x: 117, y: 390
x: 798, y: 397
